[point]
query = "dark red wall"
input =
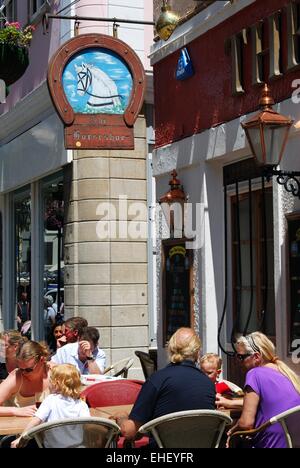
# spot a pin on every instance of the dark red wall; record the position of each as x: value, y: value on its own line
x: 205, y: 100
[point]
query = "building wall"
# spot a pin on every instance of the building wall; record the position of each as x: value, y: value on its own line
x: 209, y: 92
x: 199, y: 133
x: 105, y: 281
x: 106, y: 278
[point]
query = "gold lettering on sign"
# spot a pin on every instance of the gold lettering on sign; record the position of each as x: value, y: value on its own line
x: 237, y: 43
x: 89, y: 137
x: 293, y: 35
x: 258, y: 53
x: 275, y: 45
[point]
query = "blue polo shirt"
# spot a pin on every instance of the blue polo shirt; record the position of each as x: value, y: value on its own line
x: 177, y: 387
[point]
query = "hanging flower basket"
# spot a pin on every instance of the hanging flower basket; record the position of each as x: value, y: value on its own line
x: 13, y: 62
x: 14, y: 43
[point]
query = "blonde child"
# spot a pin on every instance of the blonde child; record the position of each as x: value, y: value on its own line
x: 63, y: 403
x: 211, y: 365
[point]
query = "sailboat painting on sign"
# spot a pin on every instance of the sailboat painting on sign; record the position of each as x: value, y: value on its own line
x: 185, y: 67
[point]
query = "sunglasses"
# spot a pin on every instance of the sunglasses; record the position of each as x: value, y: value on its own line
x: 242, y: 357
x: 28, y: 370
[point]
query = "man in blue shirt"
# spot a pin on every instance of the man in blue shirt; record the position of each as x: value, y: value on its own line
x: 180, y: 386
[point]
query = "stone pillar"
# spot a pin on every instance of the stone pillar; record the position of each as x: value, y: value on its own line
x: 106, y: 278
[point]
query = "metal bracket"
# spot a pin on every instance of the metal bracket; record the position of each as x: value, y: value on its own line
x: 288, y: 179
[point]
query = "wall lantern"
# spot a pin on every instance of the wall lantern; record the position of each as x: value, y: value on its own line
x: 167, y: 22
x: 172, y: 204
x: 267, y: 134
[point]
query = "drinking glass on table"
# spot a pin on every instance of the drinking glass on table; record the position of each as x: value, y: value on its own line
x: 39, y: 396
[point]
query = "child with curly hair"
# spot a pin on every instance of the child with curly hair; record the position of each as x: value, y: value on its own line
x: 63, y: 403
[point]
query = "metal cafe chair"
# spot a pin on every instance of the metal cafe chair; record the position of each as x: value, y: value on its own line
x: 188, y: 429
x: 289, y: 421
x: 147, y: 363
x: 119, y: 368
x: 92, y: 432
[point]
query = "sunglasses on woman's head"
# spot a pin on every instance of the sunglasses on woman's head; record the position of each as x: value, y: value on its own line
x: 242, y: 357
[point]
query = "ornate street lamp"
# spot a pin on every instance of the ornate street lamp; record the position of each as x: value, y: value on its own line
x: 172, y: 204
x: 267, y: 134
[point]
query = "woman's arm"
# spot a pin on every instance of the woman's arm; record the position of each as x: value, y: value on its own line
x: 247, y: 419
x: 235, y: 403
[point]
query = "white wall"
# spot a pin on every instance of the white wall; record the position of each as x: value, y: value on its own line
x: 34, y: 154
x: 199, y: 161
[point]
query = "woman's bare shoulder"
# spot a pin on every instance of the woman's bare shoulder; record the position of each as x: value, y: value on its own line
x: 12, y: 380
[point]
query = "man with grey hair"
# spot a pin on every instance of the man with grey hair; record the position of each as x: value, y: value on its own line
x: 180, y: 386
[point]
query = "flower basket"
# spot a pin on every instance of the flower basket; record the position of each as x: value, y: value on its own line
x: 13, y: 62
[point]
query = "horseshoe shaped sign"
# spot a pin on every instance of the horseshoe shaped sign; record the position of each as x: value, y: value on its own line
x: 97, y: 84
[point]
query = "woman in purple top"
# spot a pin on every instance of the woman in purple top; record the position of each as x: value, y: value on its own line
x: 271, y: 387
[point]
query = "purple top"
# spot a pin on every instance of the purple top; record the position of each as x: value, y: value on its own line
x: 277, y: 394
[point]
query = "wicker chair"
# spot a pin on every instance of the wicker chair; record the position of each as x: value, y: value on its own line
x: 289, y: 421
x: 73, y: 433
x: 188, y: 429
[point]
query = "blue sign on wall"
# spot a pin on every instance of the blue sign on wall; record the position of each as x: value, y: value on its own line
x: 185, y: 67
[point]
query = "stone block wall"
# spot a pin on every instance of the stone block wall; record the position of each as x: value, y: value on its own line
x: 106, y: 278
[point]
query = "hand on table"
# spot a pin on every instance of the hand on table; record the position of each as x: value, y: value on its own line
x: 120, y: 417
x: 27, y: 411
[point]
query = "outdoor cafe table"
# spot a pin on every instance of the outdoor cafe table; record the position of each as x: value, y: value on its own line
x: 13, y: 425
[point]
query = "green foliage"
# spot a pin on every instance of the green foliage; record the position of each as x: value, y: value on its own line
x: 13, y: 34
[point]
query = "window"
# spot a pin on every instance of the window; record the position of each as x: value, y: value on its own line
x: 177, y: 280
x: 53, y: 215
x: 22, y: 216
x: 36, y: 9
x: 294, y: 275
x: 253, y: 294
x: 10, y: 10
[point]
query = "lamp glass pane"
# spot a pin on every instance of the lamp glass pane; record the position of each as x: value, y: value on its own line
x: 274, y: 138
x: 254, y: 136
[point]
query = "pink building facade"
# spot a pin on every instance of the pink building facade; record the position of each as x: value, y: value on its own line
x: 49, y: 196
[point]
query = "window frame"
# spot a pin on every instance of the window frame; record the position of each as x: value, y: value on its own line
x: 189, y: 253
x: 35, y: 14
x: 290, y: 218
x: 258, y: 245
x: 12, y: 15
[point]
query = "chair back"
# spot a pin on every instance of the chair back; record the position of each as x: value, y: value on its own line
x: 147, y: 363
x: 119, y: 368
x: 73, y: 433
x: 290, y: 422
x: 188, y: 429
x: 116, y: 392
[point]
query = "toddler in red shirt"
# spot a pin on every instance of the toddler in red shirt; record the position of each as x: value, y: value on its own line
x: 211, y: 365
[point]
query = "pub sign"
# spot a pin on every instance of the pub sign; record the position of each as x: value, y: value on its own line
x: 97, y: 84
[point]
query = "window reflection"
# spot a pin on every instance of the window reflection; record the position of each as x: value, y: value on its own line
x: 53, y: 202
x: 22, y: 212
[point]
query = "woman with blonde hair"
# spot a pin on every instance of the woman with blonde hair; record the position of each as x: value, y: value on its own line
x: 17, y: 391
x: 63, y: 403
x: 11, y: 341
x: 271, y: 387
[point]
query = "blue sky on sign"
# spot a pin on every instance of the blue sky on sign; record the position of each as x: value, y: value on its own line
x: 101, y: 63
